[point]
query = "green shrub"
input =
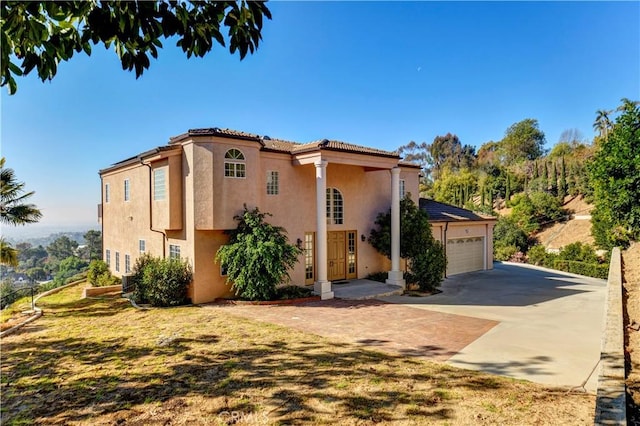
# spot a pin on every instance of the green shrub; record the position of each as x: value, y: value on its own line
x: 578, y: 252
x: 533, y: 211
x: 166, y: 281
x: 583, y: 268
x: 99, y: 274
x: 139, y: 287
x: 505, y: 252
x: 293, y: 292
x: 106, y: 280
x: 425, y: 256
x: 378, y: 276
x: 257, y: 257
x: 537, y: 255
x: 508, y: 233
x: 427, y: 267
x: 67, y: 268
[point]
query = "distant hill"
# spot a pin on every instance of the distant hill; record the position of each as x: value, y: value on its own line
x: 44, y: 235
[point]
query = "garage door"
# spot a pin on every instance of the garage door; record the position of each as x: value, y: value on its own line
x: 465, y: 255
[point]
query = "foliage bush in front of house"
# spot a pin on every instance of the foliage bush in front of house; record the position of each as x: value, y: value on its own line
x: 425, y: 256
x: 99, y: 274
x: 161, y: 282
x: 257, y: 257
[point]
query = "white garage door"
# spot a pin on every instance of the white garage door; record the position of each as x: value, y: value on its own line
x: 465, y: 255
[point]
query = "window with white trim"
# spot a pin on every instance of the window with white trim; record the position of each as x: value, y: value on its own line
x: 402, y: 189
x: 127, y: 190
x: 117, y: 261
x: 127, y: 263
x: 174, y: 251
x: 234, y: 164
x: 309, y: 272
x: 159, y: 184
x: 142, y: 246
x: 335, y: 207
x: 273, y: 185
x: 107, y: 193
x: 107, y: 257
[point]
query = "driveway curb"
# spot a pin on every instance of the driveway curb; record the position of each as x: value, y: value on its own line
x: 611, y: 407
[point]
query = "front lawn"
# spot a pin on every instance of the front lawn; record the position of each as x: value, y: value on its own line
x: 100, y: 361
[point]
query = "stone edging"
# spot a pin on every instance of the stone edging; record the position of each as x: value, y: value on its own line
x: 611, y: 406
x: 37, y: 311
x: 267, y: 302
x: 97, y: 291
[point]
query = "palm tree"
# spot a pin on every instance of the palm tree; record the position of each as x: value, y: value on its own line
x: 627, y: 105
x: 8, y: 255
x: 13, y: 207
x: 602, y: 124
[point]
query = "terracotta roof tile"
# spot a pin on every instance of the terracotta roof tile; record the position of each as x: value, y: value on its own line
x: 342, y: 146
x: 281, y: 145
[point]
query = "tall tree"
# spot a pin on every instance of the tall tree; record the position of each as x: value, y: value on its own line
x: 615, y: 177
x: 562, y: 185
x: 522, y: 141
x: 93, y: 239
x: 447, y: 152
x: 62, y: 248
x: 41, y: 34
x: 14, y: 209
x: 602, y: 124
x: 419, y: 153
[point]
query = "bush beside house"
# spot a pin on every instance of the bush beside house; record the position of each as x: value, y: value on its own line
x: 161, y: 282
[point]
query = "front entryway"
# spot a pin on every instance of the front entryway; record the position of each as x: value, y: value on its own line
x: 336, y: 256
x: 341, y: 255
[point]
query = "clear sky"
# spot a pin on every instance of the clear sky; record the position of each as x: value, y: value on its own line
x: 379, y: 74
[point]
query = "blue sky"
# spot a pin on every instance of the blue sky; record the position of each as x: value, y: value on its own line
x: 373, y: 73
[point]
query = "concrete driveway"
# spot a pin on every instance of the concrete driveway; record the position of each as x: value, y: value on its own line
x: 549, y: 323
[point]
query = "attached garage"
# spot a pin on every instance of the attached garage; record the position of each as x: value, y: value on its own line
x: 466, y: 236
x: 465, y: 255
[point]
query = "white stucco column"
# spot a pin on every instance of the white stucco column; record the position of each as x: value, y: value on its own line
x: 395, y: 274
x: 322, y: 286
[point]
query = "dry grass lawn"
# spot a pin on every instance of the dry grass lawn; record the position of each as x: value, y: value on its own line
x: 101, y: 361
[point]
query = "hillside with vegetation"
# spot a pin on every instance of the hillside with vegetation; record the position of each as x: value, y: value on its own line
x: 554, y: 206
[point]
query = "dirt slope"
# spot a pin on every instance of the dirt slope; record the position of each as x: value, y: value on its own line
x: 576, y: 229
x: 631, y: 275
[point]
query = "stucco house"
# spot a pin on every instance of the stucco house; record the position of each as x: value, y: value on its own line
x: 467, y: 237
x: 177, y: 200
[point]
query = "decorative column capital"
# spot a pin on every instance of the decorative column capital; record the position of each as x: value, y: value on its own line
x: 395, y: 170
x: 320, y: 164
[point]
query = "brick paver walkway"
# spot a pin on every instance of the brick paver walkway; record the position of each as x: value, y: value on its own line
x: 389, y: 327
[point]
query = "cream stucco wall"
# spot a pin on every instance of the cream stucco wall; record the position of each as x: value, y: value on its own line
x: 124, y: 223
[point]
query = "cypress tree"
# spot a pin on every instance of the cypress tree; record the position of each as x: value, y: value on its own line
x: 507, y: 190
x: 562, y: 188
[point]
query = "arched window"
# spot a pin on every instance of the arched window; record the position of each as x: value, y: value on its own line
x: 234, y: 164
x: 335, y: 207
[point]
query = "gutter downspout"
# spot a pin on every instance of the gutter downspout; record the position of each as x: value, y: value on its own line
x: 446, y: 227
x: 164, y: 235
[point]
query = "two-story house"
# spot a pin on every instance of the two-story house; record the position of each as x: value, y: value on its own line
x: 178, y: 199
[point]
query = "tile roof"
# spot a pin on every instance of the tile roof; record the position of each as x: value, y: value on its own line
x: 334, y: 145
x: 215, y: 131
x: 441, y: 212
x: 282, y: 145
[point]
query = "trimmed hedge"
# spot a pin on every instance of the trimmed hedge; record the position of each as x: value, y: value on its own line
x: 582, y: 268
